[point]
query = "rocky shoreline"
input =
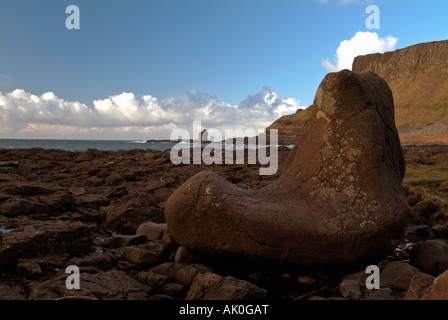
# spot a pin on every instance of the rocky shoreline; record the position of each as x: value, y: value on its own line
x: 103, y: 211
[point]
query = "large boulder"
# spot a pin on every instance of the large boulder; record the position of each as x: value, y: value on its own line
x: 339, y: 200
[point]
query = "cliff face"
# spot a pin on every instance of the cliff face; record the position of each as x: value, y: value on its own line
x: 290, y: 127
x: 418, y: 78
x: 402, y: 62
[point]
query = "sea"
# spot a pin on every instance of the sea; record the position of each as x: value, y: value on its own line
x: 83, y: 145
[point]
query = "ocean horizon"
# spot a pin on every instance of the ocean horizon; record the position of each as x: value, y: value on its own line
x: 83, y: 145
x: 104, y: 145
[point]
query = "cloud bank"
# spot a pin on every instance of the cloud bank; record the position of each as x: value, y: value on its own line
x: 362, y: 43
x: 129, y: 116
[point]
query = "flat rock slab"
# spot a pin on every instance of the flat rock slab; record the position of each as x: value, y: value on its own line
x: 109, y: 285
x: 43, y: 238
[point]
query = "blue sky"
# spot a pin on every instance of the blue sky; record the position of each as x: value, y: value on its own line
x: 152, y: 66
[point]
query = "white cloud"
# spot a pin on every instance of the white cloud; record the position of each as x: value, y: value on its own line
x: 130, y: 116
x: 362, y: 43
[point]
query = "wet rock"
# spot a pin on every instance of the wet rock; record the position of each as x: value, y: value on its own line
x: 430, y: 256
x: 210, y: 286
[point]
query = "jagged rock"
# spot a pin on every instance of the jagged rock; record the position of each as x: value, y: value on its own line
x: 338, y: 202
x: 419, y: 283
